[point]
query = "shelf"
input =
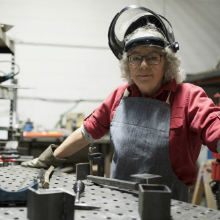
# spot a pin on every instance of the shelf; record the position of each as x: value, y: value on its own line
x: 6, y: 92
x: 6, y: 45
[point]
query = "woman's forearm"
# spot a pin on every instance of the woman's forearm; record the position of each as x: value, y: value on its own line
x: 71, y: 145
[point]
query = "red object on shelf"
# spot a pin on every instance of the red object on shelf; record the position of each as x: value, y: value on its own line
x: 43, y: 134
x: 9, y: 160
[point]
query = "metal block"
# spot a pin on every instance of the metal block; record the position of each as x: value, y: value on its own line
x: 154, y: 202
x: 50, y: 205
x: 82, y: 170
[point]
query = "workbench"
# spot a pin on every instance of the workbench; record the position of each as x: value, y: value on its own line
x: 114, y: 204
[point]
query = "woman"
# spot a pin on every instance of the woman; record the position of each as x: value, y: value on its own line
x: 157, y: 123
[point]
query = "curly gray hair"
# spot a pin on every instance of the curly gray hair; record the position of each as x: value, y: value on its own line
x: 172, y: 67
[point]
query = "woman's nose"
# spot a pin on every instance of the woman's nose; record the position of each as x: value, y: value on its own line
x: 144, y: 63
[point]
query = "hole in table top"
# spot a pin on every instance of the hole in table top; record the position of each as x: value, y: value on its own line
x: 16, y: 218
x: 83, y: 216
x: 120, y: 214
x: 117, y: 206
x: 106, y: 210
x: 115, y: 200
x: 6, y: 213
x: 195, y: 206
x: 105, y: 203
x: 130, y: 210
x: 178, y: 212
x: 95, y: 213
x: 195, y: 217
x: 21, y: 210
x: 127, y: 203
x: 203, y: 213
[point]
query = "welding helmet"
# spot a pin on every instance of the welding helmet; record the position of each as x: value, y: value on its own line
x: 132, y: 17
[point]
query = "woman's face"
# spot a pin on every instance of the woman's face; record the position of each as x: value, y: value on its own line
x: 147, y: 77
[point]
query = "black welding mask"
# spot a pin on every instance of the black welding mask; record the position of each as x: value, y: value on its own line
x: 132, y: 17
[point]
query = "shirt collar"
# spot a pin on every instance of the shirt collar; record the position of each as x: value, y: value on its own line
x: 172, y: 86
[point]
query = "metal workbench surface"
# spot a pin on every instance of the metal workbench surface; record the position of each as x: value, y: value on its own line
x: 115, y: 204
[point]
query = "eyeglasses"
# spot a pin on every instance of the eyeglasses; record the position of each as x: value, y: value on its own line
x: 152, y: 59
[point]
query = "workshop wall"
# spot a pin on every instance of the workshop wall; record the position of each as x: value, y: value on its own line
x: 60, y: 76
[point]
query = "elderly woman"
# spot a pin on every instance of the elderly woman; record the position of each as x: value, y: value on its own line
x: 157, y: 123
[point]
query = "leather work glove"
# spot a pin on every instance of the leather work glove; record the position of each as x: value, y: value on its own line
x: 45, y: 160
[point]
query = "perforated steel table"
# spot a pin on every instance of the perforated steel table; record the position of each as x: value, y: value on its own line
x: 115, y: 204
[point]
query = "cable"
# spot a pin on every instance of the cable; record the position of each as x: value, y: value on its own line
x: 10, y: 75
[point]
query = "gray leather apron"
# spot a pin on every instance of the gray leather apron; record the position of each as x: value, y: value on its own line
x: 140, y: 136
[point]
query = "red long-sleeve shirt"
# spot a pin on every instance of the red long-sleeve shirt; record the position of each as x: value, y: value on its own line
x: 195, y: 120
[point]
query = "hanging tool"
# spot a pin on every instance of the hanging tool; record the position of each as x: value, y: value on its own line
x: 96, y: 156
x: 78, y: 188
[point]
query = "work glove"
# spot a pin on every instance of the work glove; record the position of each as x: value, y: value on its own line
x: 45, y: 160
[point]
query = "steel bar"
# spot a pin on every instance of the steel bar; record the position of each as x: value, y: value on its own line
x: 122, y: 184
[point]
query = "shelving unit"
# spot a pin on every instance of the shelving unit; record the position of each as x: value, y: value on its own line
x: 8, y: 92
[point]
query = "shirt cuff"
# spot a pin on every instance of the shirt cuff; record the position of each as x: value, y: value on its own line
x: 86, y: 134
x: 218, y: 146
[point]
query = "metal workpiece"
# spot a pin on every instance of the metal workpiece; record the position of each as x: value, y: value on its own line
x: 82, y: 170
x: 154, y: 197
x: 55, y: 204
x: 114, y: 204
x: 121, y: 184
